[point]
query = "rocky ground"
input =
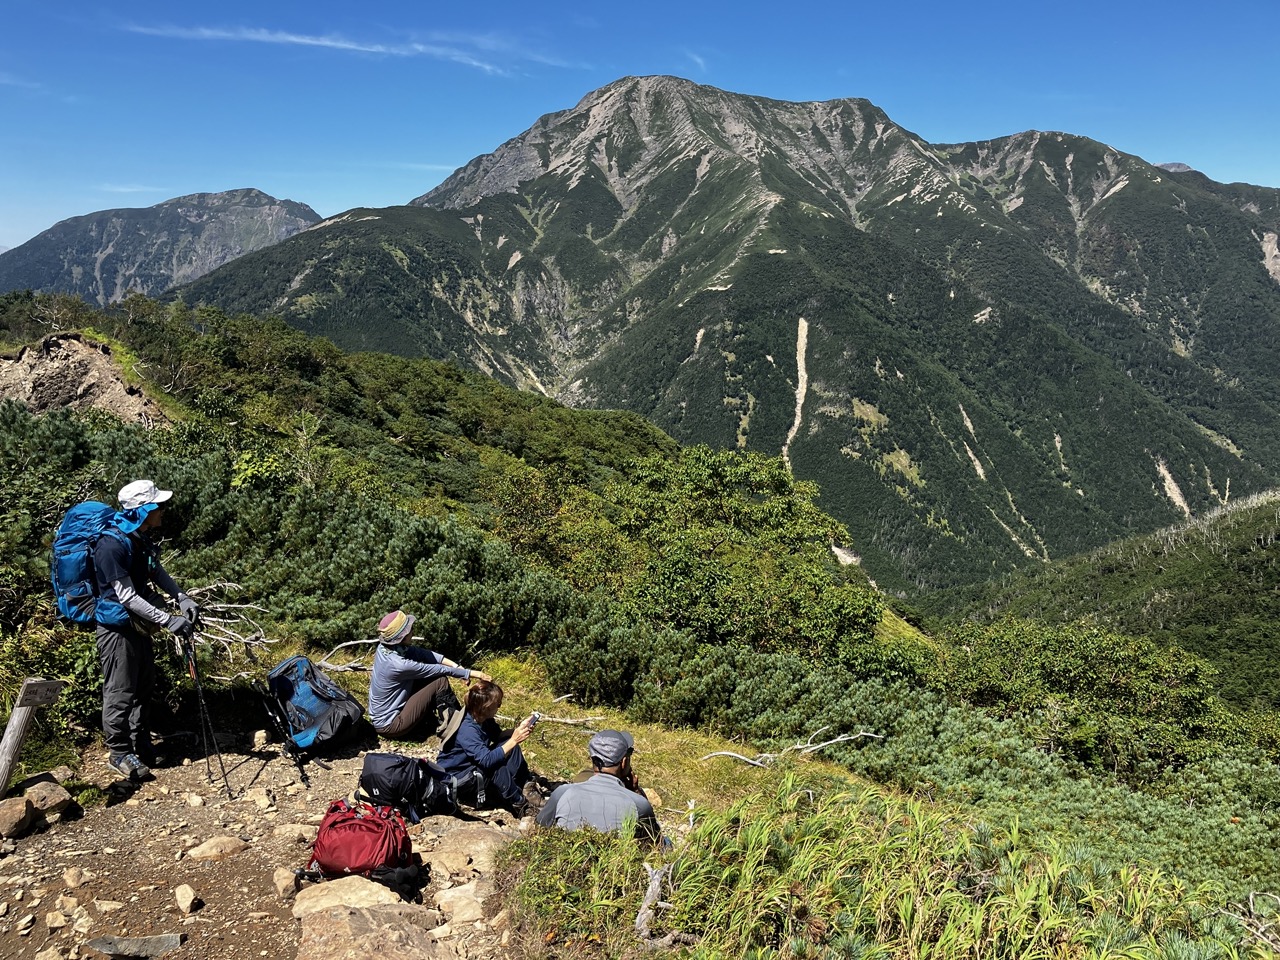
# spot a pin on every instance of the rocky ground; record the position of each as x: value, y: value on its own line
x: 176, y: 857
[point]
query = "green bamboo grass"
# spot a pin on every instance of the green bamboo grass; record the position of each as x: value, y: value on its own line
x: 821, y: 871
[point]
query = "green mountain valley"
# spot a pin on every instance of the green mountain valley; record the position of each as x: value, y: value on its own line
x: 762, y: 424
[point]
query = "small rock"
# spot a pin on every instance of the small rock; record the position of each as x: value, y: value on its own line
x: 195, y: 800
x: 260, y: 739
x: 55, y: 920
x: 188, y: 901
x: 137, y: 946
x: 81, y: 922
x: 344, y: 892
x: 218, y: 848
x: 67, y: 904
x: 297, y: 832
x: 108, y: 906
x: 260, y: 796
x: 4, y: 909
x: 16, y: 815
x: 461, y: 904
x: 52, y: 953
x: 501, y: 920
x: 48, y: 799
x: 286, y: 882
x: 25, y: 921
x: 479, y: 844
x: 75, y: 877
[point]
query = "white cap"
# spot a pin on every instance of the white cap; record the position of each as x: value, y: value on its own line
x: 141, y: 492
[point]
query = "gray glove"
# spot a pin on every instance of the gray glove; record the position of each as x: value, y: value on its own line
x: 180, y: 627
x: 190, y: 609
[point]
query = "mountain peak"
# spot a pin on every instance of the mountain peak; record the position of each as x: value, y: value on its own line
x: 633, y: 129
x: 104, y: 256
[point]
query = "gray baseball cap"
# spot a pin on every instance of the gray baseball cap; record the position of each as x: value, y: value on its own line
x: 610, y: 747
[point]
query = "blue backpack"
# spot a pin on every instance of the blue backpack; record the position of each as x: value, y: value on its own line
x: 310, y: 709
x: 74, y: 583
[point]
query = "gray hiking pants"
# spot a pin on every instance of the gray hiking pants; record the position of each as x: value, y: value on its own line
x: 128, y: 665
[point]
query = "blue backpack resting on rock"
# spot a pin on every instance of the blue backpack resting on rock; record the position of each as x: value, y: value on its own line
x: 74, y: 583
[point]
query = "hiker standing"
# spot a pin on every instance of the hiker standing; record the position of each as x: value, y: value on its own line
x: 126, y: 562
x: 608, y: 797
x: 481, y: 745
x: 409, y: 693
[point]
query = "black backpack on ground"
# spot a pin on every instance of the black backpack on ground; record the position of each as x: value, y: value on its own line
x: 416, y: 787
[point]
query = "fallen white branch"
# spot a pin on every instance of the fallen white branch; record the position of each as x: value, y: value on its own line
x: 352, y: 666
x: 584, y: 722
x: 645, y: 916
x: 766, y: 759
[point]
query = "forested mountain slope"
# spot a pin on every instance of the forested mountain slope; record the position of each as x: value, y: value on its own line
x: 689, y: 587
x: 988, y: 355
x: 1207, y: 585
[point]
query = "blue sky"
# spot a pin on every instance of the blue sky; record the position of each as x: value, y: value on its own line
x: 108, y: 105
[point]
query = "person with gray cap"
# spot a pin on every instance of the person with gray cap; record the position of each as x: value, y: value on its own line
x: 409, y: 693
x: 126, y: 563
x: 609, y: 797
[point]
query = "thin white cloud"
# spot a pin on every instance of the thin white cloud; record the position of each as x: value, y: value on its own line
x: 698, y: 61
x: 471, y: 50
x: 130, y: 188
x: 9, y: 80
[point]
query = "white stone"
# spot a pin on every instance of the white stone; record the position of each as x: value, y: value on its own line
x: 286, y: 882
x: 343, y: 892
x: 187, y: 900
x: 217, y: 848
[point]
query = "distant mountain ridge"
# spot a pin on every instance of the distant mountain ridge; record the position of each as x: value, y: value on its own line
x: 103, y: 256
x: 986, y: 353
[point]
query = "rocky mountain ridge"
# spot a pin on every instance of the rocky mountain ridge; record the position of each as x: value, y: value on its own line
x: 987, y: 354
x: 104, y: 256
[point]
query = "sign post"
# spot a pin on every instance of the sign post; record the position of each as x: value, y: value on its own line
x: 35, y: 693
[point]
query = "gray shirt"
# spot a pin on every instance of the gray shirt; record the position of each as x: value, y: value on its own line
x: 601, y: 802
x: 397, y: 673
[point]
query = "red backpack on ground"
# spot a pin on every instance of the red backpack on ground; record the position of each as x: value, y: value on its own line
x: 361, y: 838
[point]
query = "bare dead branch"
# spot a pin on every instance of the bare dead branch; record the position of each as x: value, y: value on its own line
x: 645, y: 916
x: 584, y: 722
x: 808, y: 747
x: 351, y: 666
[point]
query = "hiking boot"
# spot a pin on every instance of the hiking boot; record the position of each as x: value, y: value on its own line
x: 533, y: 798
x: 129, y: 766
x: 145, y: 752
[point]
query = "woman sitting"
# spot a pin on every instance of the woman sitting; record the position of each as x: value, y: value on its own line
x: 409, y: 693
x: 487, y: 761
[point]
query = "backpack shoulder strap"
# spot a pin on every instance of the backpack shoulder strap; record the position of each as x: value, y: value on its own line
x: 452, y: 727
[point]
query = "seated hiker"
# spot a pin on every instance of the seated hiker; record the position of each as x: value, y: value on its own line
x: 480, y: 745
x: 609, y: 797
x: 409, y: 693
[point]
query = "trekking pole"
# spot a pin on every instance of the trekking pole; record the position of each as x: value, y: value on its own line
x: 206, y: 723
